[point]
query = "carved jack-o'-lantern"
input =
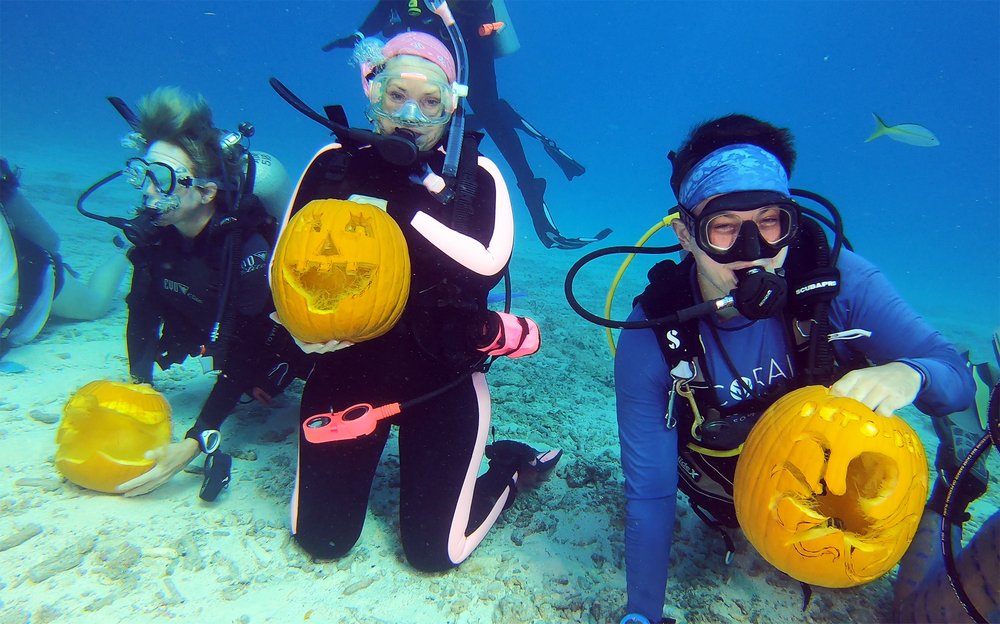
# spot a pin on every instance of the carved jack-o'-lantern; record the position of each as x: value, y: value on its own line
x: 828, y: 491
x: 106, y: 429
x: 341, y: 271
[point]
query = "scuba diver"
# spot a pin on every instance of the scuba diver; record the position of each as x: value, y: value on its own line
x: 35, y: 282
x: 455, y: 215
x: 202, y: 239
x: 488, y: 34
x: 761, y: 304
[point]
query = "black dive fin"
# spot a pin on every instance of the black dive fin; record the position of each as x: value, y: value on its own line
x: 570, y: 167
x: 130, y: 118
x: 558, y: 241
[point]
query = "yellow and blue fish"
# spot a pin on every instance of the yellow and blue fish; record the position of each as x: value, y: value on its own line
x: 911, y: 134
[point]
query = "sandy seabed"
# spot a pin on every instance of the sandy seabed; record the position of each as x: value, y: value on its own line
x: 71, y: 555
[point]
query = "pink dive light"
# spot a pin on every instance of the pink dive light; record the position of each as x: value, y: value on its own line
x: 348, y: 424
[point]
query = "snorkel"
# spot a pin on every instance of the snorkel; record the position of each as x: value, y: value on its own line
x: 456, y: 131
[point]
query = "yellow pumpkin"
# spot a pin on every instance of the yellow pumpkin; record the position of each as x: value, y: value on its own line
x: 828, y: 491
x: 341, y: 271
x: 106, y: 429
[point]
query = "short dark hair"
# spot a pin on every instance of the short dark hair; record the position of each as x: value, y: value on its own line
x: 730, y: 130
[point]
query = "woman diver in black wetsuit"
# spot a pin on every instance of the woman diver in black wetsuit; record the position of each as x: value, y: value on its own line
x: 202, y: 237
x: 491, y: 113
x: 432, y: 361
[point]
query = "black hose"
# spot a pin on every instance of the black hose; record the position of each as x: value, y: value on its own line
x: 837, y: 226
x: 603, y: 322
x: 992, y: 435
x: 820, y: 361
x: 221, y: 333
x: 466, y: 185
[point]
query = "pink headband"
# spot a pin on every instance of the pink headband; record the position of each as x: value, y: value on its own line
x: 416, y: 44
x: 422, y: 45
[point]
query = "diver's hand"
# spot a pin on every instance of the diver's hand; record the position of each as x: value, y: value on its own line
x: 503, y: 334
x: 170, y: 460
x: 323, y: 347
x: 316, y: 347
x: 883, y: 389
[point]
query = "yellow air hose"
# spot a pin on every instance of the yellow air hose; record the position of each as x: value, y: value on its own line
x: 665, y: 221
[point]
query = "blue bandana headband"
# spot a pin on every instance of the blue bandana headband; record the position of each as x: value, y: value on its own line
x: 740, y: 167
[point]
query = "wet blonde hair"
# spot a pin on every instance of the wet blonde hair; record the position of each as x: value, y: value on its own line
x: 169, y: 114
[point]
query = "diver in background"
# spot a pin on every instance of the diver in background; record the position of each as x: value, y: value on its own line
x: 202, y: 244
x: 34, y: 280
x: 923, y: 590
x: 475, y: 19
x: 742, y: 231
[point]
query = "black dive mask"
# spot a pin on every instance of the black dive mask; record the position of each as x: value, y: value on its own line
x: 726, y: 237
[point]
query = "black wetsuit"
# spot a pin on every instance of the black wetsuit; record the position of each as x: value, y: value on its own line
x: 441, y: 441
x: 174, y: 304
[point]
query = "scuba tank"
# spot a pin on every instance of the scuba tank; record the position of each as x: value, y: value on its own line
x: 505, y: 41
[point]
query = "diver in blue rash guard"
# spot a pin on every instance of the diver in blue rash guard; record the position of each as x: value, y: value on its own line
x: 739, y: 227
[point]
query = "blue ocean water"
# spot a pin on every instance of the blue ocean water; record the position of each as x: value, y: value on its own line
x: 617, y: 84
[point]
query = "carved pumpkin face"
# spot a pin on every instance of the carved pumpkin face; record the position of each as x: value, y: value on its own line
x: 341, y: 271
x: 106, y: 429
x: 828, y: 491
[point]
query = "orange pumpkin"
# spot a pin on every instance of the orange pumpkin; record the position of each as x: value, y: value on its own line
x: 341, y: 271
x: 106, y: 429
x: 828, y: 491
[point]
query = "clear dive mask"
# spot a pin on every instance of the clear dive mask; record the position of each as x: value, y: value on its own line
x: 164, y: 178
x: 728, y: 236
x: 411, y: 99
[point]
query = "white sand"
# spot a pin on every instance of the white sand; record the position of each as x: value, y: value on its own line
x: 556, y: 556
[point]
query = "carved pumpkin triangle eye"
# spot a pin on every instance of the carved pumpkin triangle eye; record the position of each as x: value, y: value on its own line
x: 362, y: 223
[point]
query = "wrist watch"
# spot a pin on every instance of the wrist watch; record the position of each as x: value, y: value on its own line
x: 209, y: 441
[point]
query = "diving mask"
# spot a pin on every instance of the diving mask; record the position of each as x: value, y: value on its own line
x: 164, y: 178
x: 411, y: 99
x: 728, y: 236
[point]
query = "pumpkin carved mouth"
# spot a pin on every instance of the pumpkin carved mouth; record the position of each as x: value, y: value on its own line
x: 324, y: 284
x: 828, y: 491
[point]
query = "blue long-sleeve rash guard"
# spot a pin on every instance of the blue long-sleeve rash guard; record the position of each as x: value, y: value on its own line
x: 759, y: 351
